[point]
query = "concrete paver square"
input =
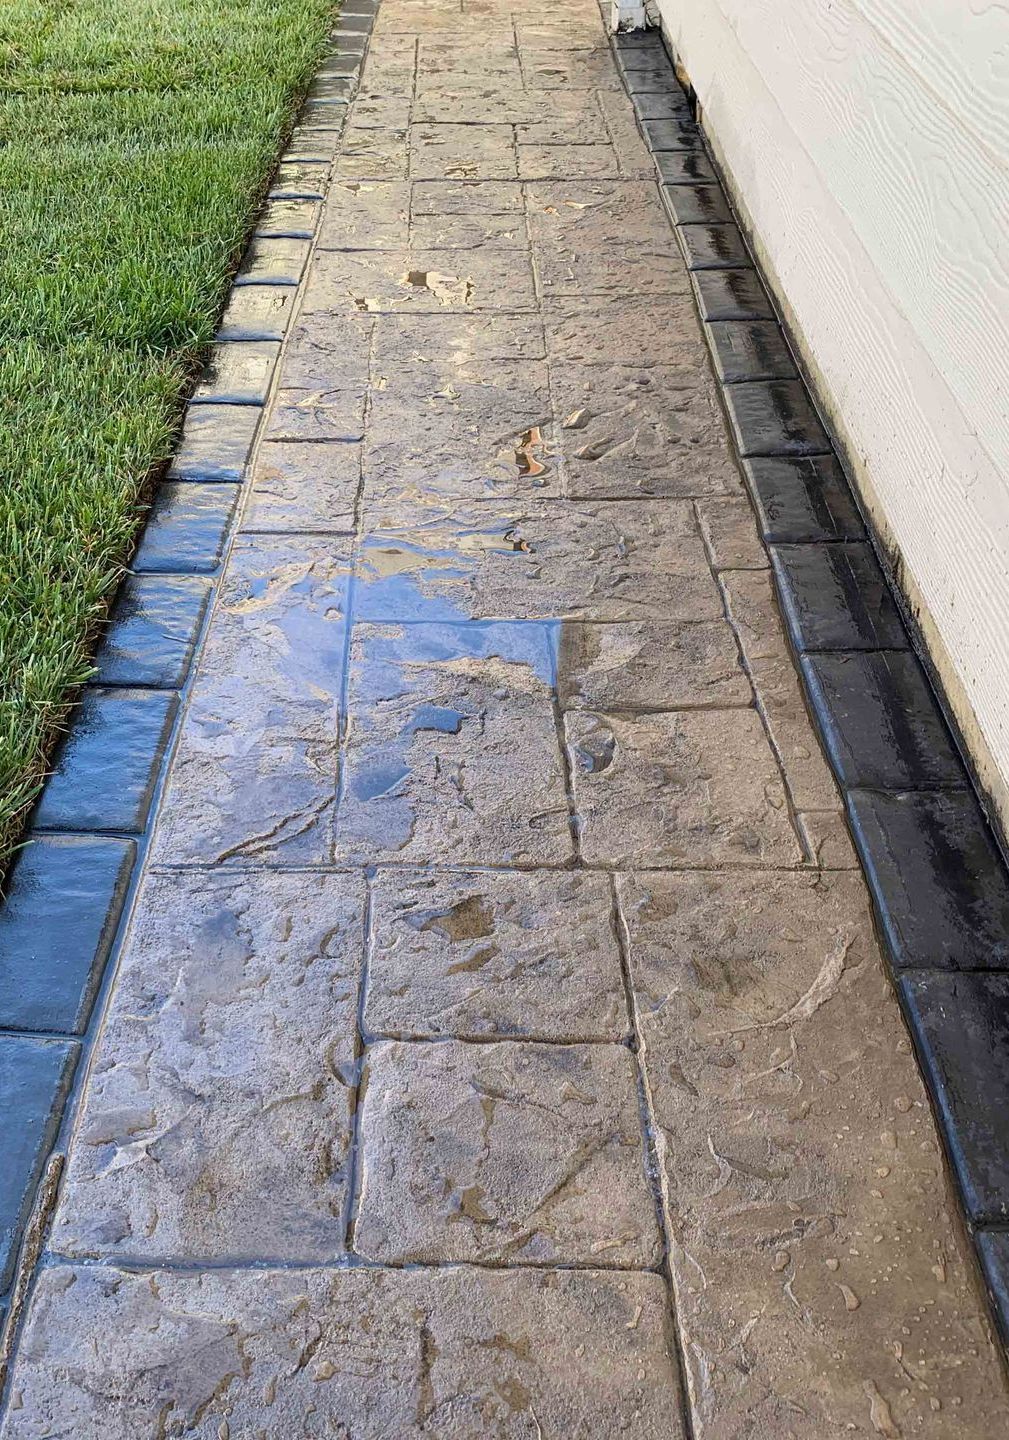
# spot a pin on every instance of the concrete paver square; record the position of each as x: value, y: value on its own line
x: 217, y: 1118
x: 466, y: 232
x: 430, y: 281
x: 492, y: 954
x: 323, y: 382
x: 506, y: 1151
x: 642, y: 430
x: 462, y: 152
x: 619, y: 329
x: 545, y: 162
x: 304, y: 487
x: 467, y: 197
x: 649, y: 665
x: 372, y: 154
x: 442, y: 430
x: 437, y: 715
x: 464, y: 1354
x: 686, y: 788
x: 366, y: 215
x: 500, y: 104
x: 823, y: 1288
x: 570, y: 70
x: 624, y: 560
x: 452, y: 214
x: 255, y: 770
x: 573, y: 214
x: 655, y: 271
x: 456, y: 347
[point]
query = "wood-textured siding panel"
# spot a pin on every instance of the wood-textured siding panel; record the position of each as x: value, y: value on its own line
x: 883, y: 224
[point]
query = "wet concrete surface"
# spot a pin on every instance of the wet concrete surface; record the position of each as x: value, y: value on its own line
x: 500, y: 1045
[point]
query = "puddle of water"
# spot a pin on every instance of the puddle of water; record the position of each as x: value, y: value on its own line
x: 379, y: 781
x: 435, y: 717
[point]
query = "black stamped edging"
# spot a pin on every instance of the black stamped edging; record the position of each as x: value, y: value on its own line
x: 70, y: 888
x: 937, y: 877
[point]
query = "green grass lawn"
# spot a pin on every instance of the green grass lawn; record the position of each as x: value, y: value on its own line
x: 135, y: 140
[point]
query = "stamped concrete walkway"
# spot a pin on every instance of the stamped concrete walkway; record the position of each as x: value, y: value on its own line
x: 501, y: 1048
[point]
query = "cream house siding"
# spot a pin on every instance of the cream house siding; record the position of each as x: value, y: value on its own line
x: 867, y: 146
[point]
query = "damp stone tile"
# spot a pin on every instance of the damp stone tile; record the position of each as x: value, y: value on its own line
x: 35, y: 1075
x: 372, y: 154
x: 255, y: 770
x: 617, y: 560
x: 186, y: 528
x: 63, y: 899
x: 802, y: 499
x: 437, y: 716
x: 749, y: 350
x: 835, y: 597
x: 372, y: 1353
x: 627, y: 431
x: 586, y: 217
x: 713, y: 247
x: 618, y: 329
x: 650, y: 665
x: 106, y: 769
x: 256, y: 312
x: 238, y: 373
x: 730, y: 532
x: 152, y: 631
x: 215, y: 444
x: 880, y: 722
x: 462, y: 231
x: 273, y: 261
x: 366, y: 215
x: 329, y: 354
x: 937, y: 878
x: 458, y: 426
x: 420, y: 281
x: 303, y: 487
x: 432, y: 198
x: 485, y: 955
x: 804, y: 1182
x: 462, y: 152
x: 684, y: 788
x: 514, y: 1152
x: 216, y: 1122
x: 696, y: 205
x: 961, y: 1025
x: 731, y: 295
x: 550, y: 162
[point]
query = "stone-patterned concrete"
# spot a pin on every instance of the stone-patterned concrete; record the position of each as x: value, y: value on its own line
x: 500, y: 1039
